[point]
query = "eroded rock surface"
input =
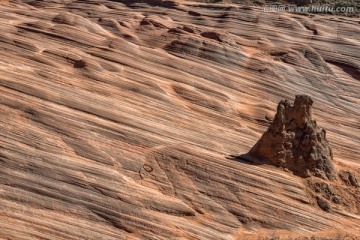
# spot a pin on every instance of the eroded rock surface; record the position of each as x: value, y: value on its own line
x: 295, y: 141
x: 117, y: 118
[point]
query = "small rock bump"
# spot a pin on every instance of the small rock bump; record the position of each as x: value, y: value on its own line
x: 349, y: 178
x: 323, y: 204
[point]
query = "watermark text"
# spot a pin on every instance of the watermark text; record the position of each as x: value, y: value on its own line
x: 309, y: 9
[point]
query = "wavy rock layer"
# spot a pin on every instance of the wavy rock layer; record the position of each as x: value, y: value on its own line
x: 118, y: 119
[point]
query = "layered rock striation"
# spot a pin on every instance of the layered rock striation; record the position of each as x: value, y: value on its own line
x: 116, y: 118
x: 294, y: 141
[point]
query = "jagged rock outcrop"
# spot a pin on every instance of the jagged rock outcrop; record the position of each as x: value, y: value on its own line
x: 295, y: 142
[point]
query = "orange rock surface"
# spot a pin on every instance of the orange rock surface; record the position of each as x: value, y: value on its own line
x: 119, y: 119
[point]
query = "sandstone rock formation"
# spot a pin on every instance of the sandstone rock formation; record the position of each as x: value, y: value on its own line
x: 294, y: 141
x: 117, y: 119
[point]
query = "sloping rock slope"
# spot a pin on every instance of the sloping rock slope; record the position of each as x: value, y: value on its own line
x: 118, y: 120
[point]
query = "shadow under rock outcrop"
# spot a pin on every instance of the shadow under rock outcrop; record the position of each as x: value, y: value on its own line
x: 246, y: 158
